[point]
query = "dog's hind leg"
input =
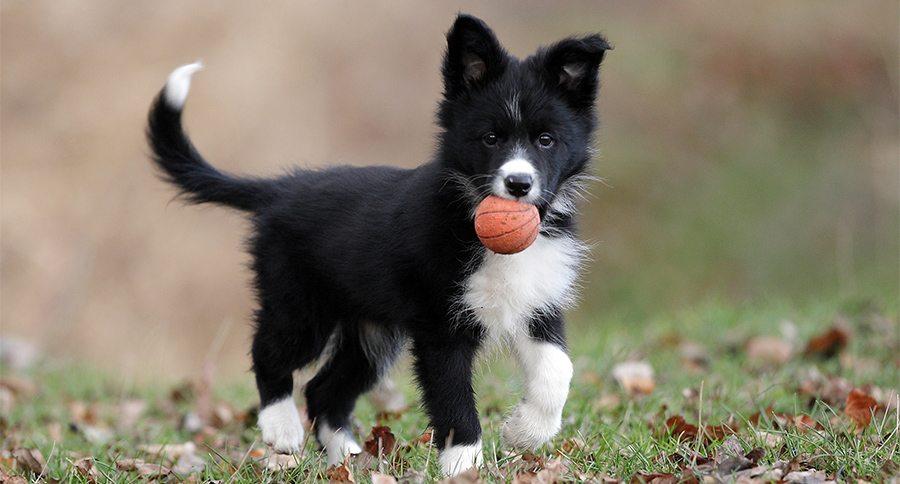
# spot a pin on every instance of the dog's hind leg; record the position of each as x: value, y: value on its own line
x: 285, y: 340
x: 362, y: 354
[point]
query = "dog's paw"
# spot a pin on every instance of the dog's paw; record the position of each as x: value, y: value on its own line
x: 338, y: 443
x: 457, y: 459
x: 529, y: 427
x: 281, y: 426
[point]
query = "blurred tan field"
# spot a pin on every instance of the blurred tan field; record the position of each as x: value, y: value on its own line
x: 749, y: 151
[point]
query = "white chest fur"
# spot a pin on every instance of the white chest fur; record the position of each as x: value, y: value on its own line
x: 506, y: 290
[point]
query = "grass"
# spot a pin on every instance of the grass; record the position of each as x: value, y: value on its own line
x: 606, y: 432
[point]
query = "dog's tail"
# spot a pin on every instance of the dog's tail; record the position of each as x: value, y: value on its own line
x: 183, y: 166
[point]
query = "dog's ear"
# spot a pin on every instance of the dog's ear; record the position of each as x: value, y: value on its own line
x: 571, y: 66
x: 474, y: 57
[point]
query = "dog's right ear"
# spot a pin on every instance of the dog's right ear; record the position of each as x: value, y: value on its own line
x: 474, y: 57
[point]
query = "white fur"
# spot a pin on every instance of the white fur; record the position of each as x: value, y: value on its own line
x: 281, y: 426
x: 512, y: 107
x: 338, y: 443
x: 517, y: 165
x: 457, y: 459
x: 179, y: 84
x: 507, y: 290
x: 538, y: 417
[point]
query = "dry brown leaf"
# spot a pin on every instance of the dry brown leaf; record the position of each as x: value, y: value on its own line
x: 636, y: 377
x: 30, y: 459
x: 694, y: 356
x: 8, y: 479
x: 222, y: 415
x: 678, y: 426
x: 656, y: 478
x: 426, y: 437
x: 379, y: 478
x: 257, y: 453
x: 85, y: 468
x: 169, y: 451
x: 827, y: 344
x: 470, y: 476
x: 547, y: 473
x: 339, y: 473
x: 20, y: 387
x: 145, y: 469
x: 860, y: 407
x: 280, y: 462
x: 381, y: 440
x: 129, y: 412
x: 768, y: 350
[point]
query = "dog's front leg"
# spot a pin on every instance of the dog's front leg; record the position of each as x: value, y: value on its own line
x: 443, y: 366
x: 547, y: 371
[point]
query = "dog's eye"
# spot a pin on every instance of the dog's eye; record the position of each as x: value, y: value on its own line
x: 489, y: 139
x: 545, y: 140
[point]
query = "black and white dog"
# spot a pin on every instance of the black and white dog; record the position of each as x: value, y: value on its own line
x: 362, y: 261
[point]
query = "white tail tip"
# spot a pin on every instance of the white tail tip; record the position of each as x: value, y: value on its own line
x: 179, y: 84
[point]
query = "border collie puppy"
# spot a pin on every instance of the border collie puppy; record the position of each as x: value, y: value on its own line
x: 364, y: 261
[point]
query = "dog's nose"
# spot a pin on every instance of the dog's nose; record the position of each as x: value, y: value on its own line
x: 518, y: 184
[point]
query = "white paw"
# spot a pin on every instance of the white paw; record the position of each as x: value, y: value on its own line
x: 281, y: 426
x: 529, y: 427
x: 457, y: 459
x: 338, y: 443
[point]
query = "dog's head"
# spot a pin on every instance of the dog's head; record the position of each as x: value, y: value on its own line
x: 518, y: 129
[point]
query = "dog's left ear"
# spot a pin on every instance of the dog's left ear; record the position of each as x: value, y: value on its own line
x: 474, y: 57
x: 571, y: 65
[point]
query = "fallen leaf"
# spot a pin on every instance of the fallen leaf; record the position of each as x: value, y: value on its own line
x: 636, y: 377
x: 860, y: 407
x: 222, y: 415
x: 694, y: 356
x: 85, y: 468
x: 382, y: 441
x: 30, y: 459
x: 679, y: 427
x: 145, y: 469
x: 183, y: 392
x: 426, y: 437
x: 807, y: 477
x: 827, y: 344
x: 548, y: 473
x: 189, y: 464
x: 470, y: 476
x: 413, y: 476
x: 379, y: 478
x: 130, y: 411
x: 280, y: 462
x: 655, y: 478
x: 8, y: 479
x: 768, y: 350
x: 92, y: 433
x: 169, y: 451
x: 339, y: 473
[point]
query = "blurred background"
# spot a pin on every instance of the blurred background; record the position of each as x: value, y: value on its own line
x: 749, y: 151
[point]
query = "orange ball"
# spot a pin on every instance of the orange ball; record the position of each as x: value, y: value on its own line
x: 506, y: 226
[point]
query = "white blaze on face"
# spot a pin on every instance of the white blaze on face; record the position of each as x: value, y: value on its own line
x: 518, y: 164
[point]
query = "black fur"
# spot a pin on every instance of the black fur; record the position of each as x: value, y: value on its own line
x: 374, y: 256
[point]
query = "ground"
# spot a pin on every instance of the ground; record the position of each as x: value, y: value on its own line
x: 764, y: 391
